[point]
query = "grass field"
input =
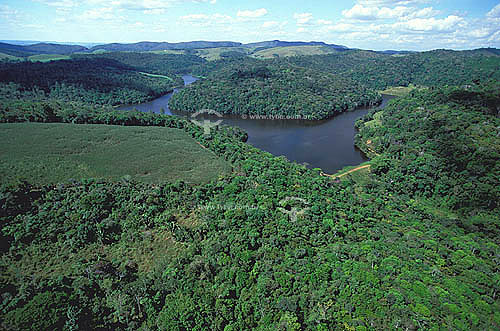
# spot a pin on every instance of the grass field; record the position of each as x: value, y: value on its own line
x: 48, y: 57
x: 292, y: 51
x: 213, y: 54
x: 169, y: 51
x: 399, y: 91
x: 8, y: 57
x: 155, y: 76
x: 51, y: 153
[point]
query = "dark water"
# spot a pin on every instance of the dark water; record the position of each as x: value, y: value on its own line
x: 160, y: 104
x: 327, y: 144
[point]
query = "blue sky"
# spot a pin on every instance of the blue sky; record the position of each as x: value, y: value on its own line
x: 368, y: 24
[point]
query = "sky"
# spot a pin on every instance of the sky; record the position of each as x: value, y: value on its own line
x: 366, y: 24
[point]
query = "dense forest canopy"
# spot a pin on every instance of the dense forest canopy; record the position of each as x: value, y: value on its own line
x: 413, y: 243
x: 252, y: 87
x: 317, y: 87
x: 100, y: 81
x: 161, y: 64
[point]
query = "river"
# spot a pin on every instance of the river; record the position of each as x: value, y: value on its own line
x: 326, y: 144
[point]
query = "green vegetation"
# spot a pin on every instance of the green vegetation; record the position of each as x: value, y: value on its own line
x: 413, y: 243
x: 40, y: 48
x: 7, y: 57
x: 445, y: 143
x: 317, y: 87
x: 153, y: 63
x: 293, y: 51
x: 433, y: 69
x: 399, y: 91
x: 213, y: 54
x: 48, y: 57
x: 94, y: 81
x: 253, y: 87
x: 51, y: 153
x: 158, y: 76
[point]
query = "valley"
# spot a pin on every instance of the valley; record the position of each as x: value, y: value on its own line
x: 121, y: 219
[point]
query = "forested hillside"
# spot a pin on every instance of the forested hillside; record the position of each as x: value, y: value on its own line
x: 98, y: 81
x: 317, y: 87
x: 272, y: 245
x: 271, y: 88
x: 444, y: 143
x: 39, y: 48
x: 435, y: 68
x: 161, y: 64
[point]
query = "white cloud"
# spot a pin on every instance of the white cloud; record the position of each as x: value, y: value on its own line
x: 252, y: 13
x: 9, y: 14
x: 157, y: 11
x: 324, y: 22
x: 494, y: 12
x: 431, y: 24
x: 303, y: 18
x: 105, y: 13
x: 147, y: 6
x: 207, y: 20
x: 424, y: 13
x: 270, y: 24
x: 495, y: 38
x: 59, y: 3
x: 480, y: 33
x: 360, y: 12
x: 341, y: 27
x: 274, y: 25
x: 390, y: 2
x: 194, y: 17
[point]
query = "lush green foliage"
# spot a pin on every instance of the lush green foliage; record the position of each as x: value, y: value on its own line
x: 161, y: 64
x: 52, y: 153
x: 443, y: 143
x: 292, y: 51
x: 96, y: 81
x: 317, y: 87
x: 251, y: 87
x: 380, y: 253
x: 271, y: 245
x: 40, y: 48
x: 435, y: 68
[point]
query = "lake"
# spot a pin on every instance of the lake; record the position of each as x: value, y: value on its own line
x: 326, y: 144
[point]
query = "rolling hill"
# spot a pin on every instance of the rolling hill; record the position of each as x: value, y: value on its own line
x: 147, y: 46
x: 40, y: 48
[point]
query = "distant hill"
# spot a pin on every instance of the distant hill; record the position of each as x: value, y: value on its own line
x: 40, y: 48
x: 488, y: 51
x: 393, y: 52
x: 32, y: 42
x: 15, y: 50
x: 279, y: 43
x: 146, y: 46
x: 263, y: 49
x: 44, y: 48
x: 266, y: 53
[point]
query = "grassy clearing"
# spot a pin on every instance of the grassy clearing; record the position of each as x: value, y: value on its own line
x: 399, y: 91
x: 53, y: 260
x: 155, y: 76
x: 48, y: 57
x: 169, y: 51
x: 213, y: 54
x: 51, y: 153
x: 8, y: 57
x: 293, y: 51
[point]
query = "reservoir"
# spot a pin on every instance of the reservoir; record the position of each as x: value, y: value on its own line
x: 326, y: 144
